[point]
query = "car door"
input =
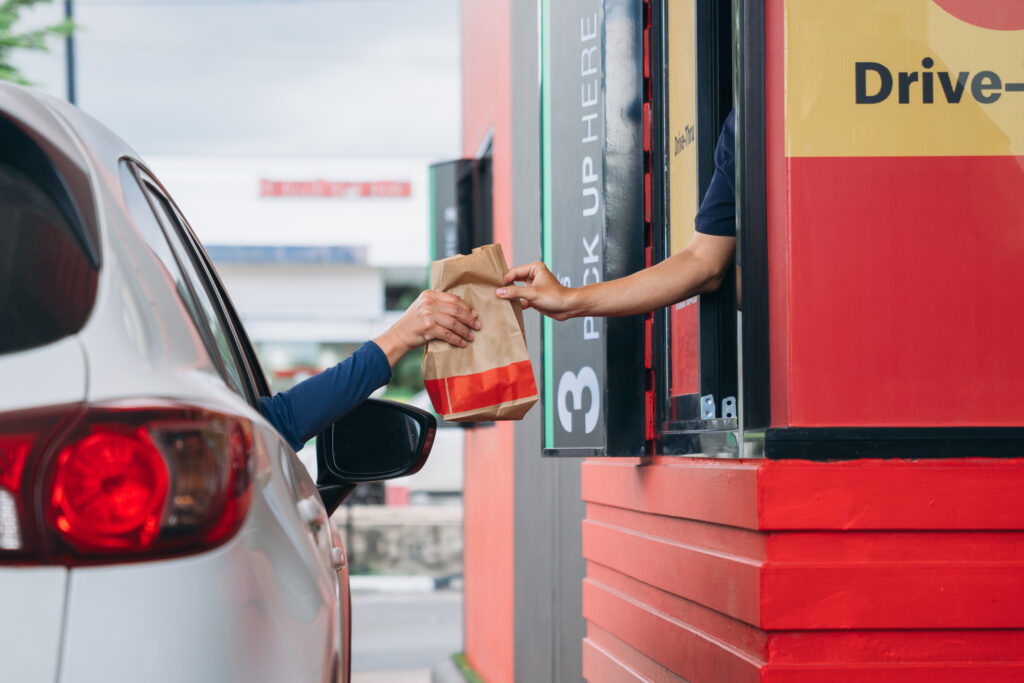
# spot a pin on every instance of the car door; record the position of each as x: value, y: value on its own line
x: 235, y: 353
x: 309, y: 503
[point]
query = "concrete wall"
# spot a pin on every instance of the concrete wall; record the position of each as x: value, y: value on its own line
x: 402, y: 540
x: 549, y: 566
x: 524, y: 566
x: 306, y: 302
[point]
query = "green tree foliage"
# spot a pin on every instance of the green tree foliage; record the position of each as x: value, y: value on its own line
x: 11, y: 39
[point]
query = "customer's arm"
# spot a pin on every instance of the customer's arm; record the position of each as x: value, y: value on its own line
x: 697, y: 269
x: 310, y: 406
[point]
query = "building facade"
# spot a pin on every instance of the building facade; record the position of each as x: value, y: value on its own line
x: 812, y: 474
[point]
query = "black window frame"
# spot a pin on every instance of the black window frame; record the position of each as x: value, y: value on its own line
x: 680, y: 427
x: 153, y: 190
x: 229, y: 316
x: 234, y: 324
x: 191, y: 304
x: 752, y: 219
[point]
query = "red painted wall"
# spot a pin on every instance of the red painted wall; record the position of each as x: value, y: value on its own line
x: 793, y: 571
x: 489, y: 473
x: 488, y: 561
x: 895, y: 275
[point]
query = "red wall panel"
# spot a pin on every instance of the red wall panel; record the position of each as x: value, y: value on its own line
x: 901, y: 312
x: 894, y: 241
x: 488, y: 497
x: 488, y: 557
x: 861, y: 571
x: 720, y: 491
x: 891, y: 494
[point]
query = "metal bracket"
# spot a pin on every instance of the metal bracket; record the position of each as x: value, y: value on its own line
x: 707, y: 407
x: 729, y: 407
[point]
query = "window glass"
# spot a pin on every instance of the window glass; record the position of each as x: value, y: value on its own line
x: 145, y: 222
x: 684, y: 316
x: 259, y: 381
x: 47, y: 285
x: 193, y: 295
x: 221, y: 339
x: 698, y: 382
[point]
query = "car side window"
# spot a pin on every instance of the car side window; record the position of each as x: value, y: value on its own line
x: 149, y: 210
x: 201, y: 288
x: 241, y: 343
x: 259, y: 380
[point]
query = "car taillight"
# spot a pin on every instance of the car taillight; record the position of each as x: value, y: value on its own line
x: 24, y: 436
x: 109, y: 490
x: 129, y: 481
x: 14, y: 449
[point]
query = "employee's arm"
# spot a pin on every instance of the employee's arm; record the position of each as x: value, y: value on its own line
x: 697, y: 269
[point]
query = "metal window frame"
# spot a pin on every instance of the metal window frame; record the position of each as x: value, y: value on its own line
x: 681, y: 431
x: 253, y: 382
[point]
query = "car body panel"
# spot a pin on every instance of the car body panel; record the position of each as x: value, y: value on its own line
x: 49, y: 375
x: 30, y: 622
x: 258, y: 608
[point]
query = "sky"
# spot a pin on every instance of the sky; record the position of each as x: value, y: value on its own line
x: 267, y: 78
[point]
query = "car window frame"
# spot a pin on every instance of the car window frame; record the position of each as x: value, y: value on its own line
x: 149, y: 185
x: 256, y: 375
x: 241, y: 344
x: 234, y: 324
x: 192, y: 306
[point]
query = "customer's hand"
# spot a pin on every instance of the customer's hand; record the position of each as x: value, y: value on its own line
x: 434, y: 315
x: 542, y: 291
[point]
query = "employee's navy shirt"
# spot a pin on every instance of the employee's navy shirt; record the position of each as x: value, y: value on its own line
x: 310, y: 406
x: 717, y: 213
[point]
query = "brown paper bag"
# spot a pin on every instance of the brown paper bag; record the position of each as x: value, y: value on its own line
x: 491, y: 378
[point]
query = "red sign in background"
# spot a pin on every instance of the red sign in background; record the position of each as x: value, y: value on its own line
x: 371, y: 189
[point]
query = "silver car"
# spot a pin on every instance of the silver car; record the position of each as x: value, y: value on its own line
x: 153, y: 525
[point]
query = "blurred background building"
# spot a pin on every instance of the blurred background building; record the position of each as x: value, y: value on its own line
x: 319, y: 254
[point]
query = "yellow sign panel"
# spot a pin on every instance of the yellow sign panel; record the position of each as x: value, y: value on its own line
x: 900, y: 78
x: 682, y: 122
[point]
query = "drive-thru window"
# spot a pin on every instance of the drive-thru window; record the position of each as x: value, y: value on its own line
x: 814, y: 472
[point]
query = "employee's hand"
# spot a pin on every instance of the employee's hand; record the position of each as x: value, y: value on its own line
x: 541, y: 291
x: 434, y: 315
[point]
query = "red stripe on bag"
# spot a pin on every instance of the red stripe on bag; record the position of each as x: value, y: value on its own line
x: 438, y: 396
x: 482, y: 389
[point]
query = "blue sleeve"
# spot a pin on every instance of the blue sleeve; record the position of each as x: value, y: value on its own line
x: 310, y: 406
x: 717, y: 213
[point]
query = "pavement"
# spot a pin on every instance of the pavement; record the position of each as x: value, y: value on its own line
x: 399, y: 636
x: 400, y: 676
x: 376, y: 583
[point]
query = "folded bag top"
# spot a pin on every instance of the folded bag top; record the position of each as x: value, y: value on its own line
x: 491, y: 378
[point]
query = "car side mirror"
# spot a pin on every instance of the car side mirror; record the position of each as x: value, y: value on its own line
x: 377, y: 440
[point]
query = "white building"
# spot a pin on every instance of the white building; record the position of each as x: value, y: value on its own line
x: 308, y: 248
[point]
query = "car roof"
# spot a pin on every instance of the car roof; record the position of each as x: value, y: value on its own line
x: 60, y: 122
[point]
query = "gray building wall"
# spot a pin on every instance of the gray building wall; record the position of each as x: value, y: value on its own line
x: 549, y: 566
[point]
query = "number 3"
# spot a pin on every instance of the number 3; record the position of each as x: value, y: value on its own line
x: 575, y: 384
